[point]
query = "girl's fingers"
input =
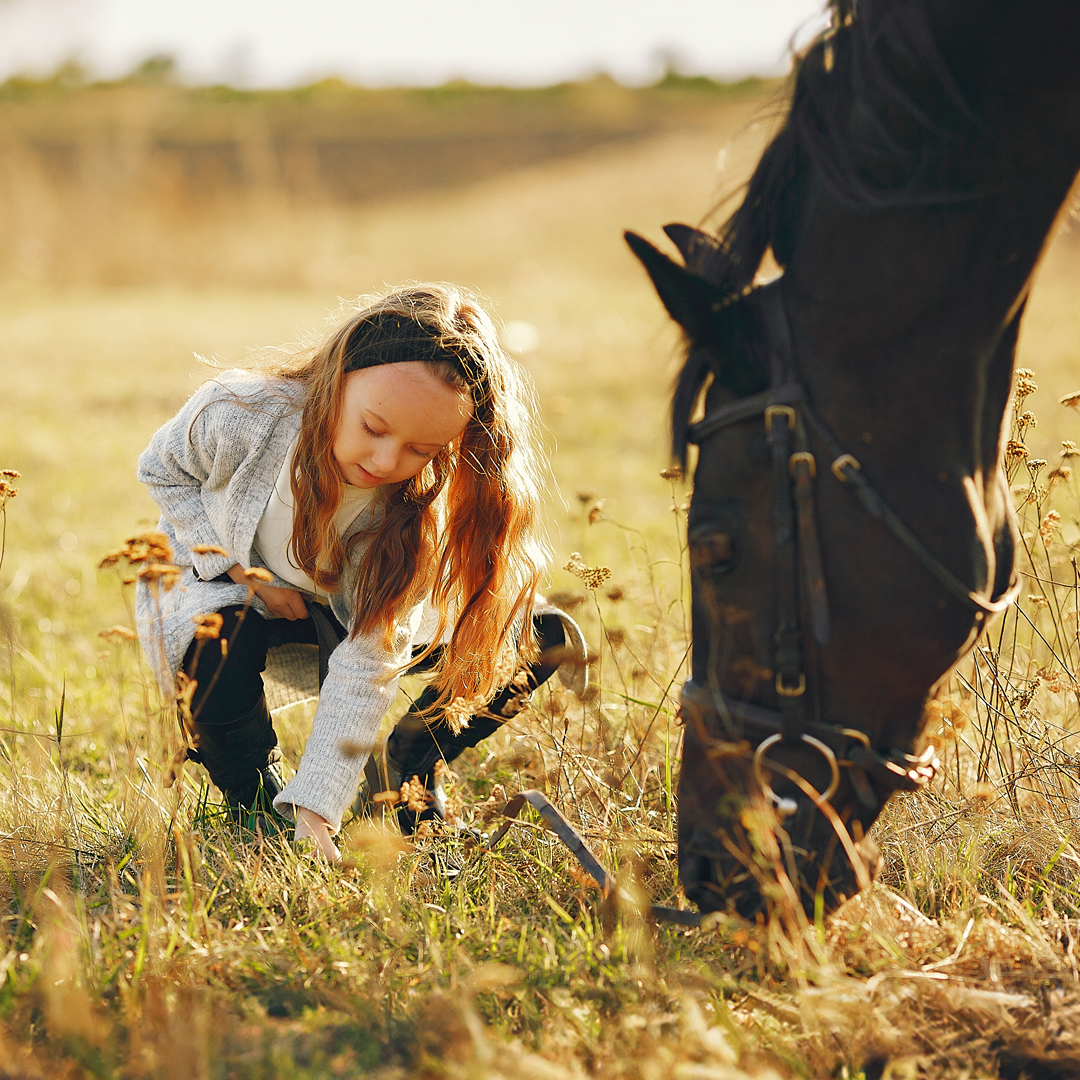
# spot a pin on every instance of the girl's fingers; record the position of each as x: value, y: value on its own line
x: 310, y: 826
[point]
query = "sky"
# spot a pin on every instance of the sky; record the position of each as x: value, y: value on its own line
x: 259, y: 43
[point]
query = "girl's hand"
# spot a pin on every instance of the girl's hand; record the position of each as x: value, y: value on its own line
x: 284, y: 603
x: 311, y: 825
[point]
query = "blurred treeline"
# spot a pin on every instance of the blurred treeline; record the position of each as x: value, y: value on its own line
x: 143, y: 180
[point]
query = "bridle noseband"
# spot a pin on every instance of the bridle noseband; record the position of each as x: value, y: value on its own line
x: 789, y: 417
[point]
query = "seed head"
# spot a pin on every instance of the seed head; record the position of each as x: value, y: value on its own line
x: 1035, y: 464
x: 1038, y: 600
x: 208, y: 549
x: 8, y: 490
x: 1060, y: 475
x: 152, y: 546
x: 256, y: 575
x: 1028, y: 420
x: 1049, y: 526
x: 208, y: 626
x: 1069, y: 449
x: 592, y: 576
x: 1015, y: 450
x: 165, y: 574
x: 1025, y: 383
x: 673, y: 474
x: 597, y: 512
x: 118, y: 633
x: 415, y: 796
x: 1071, y: 400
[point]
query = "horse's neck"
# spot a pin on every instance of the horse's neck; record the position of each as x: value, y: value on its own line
x: 917, y: 308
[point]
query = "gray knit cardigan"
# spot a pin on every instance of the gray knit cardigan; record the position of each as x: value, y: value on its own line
x: 211, y: 470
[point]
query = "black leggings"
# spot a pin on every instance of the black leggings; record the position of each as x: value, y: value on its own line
x: 224, y: 695
x: 231, y: 689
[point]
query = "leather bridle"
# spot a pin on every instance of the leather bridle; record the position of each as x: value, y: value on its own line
x: 789, y: 417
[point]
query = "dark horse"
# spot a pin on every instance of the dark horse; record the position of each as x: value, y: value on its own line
x: 851, y: 531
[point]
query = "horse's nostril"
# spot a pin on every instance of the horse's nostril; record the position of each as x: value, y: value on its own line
x: 711, y: 550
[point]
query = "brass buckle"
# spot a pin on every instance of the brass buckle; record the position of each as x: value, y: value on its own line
x: 800, y: 457
x: 790, y: 691
x: 840, y: 464
x: 817, y: 744
x: 779, y: 410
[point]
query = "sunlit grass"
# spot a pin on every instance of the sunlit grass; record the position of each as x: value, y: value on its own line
x: 140, y: 936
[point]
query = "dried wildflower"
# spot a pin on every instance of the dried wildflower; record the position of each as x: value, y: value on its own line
x: 8, y: 490
x: 208, y: 627
x: 208, y: 549
x: 164, y: 574
x: 461, y: 710
x: 1038, y: 600
x: 1069, y: 449
x: 597, y: 512
x: 184, y: 694
x: 1035, y: 464
x: 1025, y: 383
x: 391, y: 798
x: 1014, y: 449
x: 415, y: 796
x: 1049, y: 526
x: 675, y: 473
x: 256, y: 575
x: 616, y: 636
x: 1061, y: 475
x: 1071, y: 401
x: 146, y: 547
x: 566, y: 600
x: 1028, y: 420
x: 615, y: 593
x: 118, y: 633
x: 1053, y: 679
x: 592, y: 576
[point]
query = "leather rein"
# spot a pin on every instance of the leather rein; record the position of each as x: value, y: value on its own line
x: 789, y: 417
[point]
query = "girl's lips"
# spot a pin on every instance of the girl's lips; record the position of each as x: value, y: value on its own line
x: 369, y: 478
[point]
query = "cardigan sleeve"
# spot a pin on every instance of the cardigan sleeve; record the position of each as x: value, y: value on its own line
x: 188, y: 452
x: 360, y: 687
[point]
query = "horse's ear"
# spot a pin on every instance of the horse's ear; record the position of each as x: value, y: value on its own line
x: 691, y: 301
x: 700, y: 250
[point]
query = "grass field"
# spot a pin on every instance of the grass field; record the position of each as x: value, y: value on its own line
x: 139, y: 938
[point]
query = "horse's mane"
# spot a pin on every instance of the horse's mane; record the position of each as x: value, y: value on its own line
x: 876, y: 117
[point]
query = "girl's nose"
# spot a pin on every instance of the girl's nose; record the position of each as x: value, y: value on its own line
x: 384, y: 458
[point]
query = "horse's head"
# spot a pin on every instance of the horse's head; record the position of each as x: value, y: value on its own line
x: 850, y: 532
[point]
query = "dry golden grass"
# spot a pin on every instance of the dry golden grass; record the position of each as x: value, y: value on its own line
x: 139, y: 937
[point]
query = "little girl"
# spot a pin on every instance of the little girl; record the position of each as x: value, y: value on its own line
x: 395, y: 463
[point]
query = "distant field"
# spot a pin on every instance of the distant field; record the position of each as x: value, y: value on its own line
x: 166, y: 949
x: 129, y: 183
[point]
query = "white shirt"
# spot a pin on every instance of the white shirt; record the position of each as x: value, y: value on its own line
x: 274, y: 532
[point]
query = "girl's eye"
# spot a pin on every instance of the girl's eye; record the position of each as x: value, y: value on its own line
x: 370, y: 430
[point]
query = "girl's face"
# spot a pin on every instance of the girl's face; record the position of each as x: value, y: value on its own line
x: 394, y: 419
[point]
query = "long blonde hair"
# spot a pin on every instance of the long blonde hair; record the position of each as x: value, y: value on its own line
x: 466, y: 526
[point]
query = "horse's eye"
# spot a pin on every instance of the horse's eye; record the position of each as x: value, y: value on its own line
x: 711, y: 550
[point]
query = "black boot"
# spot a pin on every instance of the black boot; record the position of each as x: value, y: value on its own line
x: 241, y: 759
x: 412, y: 751
x: 417, y: 744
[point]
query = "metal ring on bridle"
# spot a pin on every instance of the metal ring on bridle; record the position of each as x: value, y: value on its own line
x: 817, y: 744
